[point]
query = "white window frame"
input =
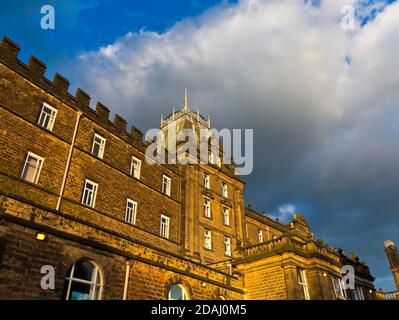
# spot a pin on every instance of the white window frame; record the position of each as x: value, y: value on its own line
x: 101, y: 147
x: 227, y: 246
x: 338, y: 286
x: 44, y: 116
x: 225, y: 192
x: 226, y: 215
x: 207, y: 208
x: 184, y: 292
x: 135, y: 173
x: 131, y: 211
x: 38, y: 167
x: 207, y: 180
x: 168, y: 185
x: 208, y: 239
x: 94, y: 283
x: 260, y: 235
x: 94, y: 193
x: 304, y: 284
x: 164, y: 226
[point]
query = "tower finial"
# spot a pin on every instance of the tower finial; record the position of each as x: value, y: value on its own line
x: 185, y: 100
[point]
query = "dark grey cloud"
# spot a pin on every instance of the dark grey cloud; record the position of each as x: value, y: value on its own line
x: 326, y: 131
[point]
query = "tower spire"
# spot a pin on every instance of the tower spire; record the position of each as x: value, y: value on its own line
x: 185, y: 100
x: 393, y: 258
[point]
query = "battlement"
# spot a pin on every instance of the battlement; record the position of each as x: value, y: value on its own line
x: 35, y: 71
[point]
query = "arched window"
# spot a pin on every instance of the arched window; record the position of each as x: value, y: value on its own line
x: 177, y: 292
x: 83, y: 281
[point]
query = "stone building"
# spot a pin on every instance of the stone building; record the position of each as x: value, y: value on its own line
x: 78, y: 197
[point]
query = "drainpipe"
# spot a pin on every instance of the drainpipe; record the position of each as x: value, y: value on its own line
x: 68, y: 160
x: 125, y: 288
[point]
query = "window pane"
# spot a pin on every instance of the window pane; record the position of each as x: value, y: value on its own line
x: 96, y: 149
x: 89, y: 193
x: 130, y: 211
x: 98, y: 146
x: 87, y: 196
x: 47, y: 117
x: 226, y: 216
x: 83, y: 270
x: 83, y: 282
x: 176, y: 293
x: 46, y: 121
x: 164, y: 229
x: 31, y: 168
x: 79, y: 291
x: 136, y: 164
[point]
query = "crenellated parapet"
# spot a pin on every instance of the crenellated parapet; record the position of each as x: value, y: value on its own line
x: 35, y: 71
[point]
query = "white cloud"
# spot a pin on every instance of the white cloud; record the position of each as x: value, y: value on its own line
x: 285, y: 213
x: 279, y: 57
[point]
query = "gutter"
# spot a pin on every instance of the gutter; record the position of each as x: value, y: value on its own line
x: 68, y: 161
x: 126, y: 285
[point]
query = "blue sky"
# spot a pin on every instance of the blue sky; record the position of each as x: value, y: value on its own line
x: 83, y: 25
x: 323, y: 102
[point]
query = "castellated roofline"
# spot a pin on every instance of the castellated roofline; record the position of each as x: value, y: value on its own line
x: 35, y: 71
